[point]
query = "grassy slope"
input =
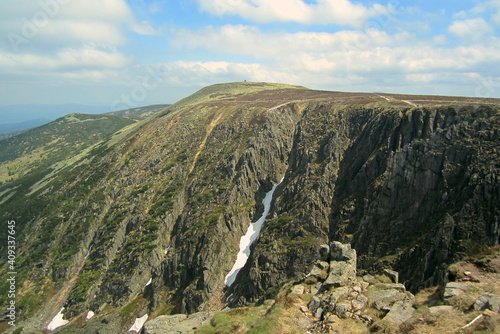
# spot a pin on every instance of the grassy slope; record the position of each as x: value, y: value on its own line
x: 62, y: 139
x: 228, y: 91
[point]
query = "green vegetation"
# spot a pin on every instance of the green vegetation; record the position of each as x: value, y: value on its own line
x: 278, y: 316
x: 280, y: 223
x: 165, y: 202
x: 48, y: 144
x: 85, y: 281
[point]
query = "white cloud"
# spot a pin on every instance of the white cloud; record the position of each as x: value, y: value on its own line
x: 56, y: 23
x: 357, y: 59
x: 247, y: 40
x: 341, y: 12
x: 85, y: 57
x: 484, y: 8
x: 199, y: 73
x: 471, y: 29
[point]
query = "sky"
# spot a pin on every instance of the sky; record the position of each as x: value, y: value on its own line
x: 127, y: 53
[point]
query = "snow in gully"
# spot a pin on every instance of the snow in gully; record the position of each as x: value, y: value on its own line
x: 247, y: 240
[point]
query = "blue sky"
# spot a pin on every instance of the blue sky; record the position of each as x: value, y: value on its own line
x: 123, y: 54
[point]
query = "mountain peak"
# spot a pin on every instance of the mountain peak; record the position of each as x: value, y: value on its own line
x: 227, y: 91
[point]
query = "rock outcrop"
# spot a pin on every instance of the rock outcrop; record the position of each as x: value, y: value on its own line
x: 346, y: 296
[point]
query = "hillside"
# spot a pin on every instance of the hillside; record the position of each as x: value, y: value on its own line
x: 39, y: 148
x: 146, y: 218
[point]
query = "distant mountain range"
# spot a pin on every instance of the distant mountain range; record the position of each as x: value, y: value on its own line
x: 18, y: 117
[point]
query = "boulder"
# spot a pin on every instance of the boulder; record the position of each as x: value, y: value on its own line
x: 315, y: 289
x: 453, y: 289
x: 360, y: 303
x: 324, y: 252
x: 298, y: 289
x: 342, y: 310
x: 340, y: 274
x: 314, y: 304
x: 320, y: 270
x: 488, y: 301
x: 400, y: 312
x: 337, y: 294
x: 383, y: 299
x: 342, y: 252
x: 393, y: 275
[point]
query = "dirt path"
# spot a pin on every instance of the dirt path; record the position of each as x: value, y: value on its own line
x: 405, y: 101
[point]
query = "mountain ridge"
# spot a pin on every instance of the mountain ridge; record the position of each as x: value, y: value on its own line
x: 168, y: 198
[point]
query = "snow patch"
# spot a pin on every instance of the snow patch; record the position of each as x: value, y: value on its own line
x: 88, y: 253
x: 139, y: 322
x: 58, y: 321
x: 90, y: 315
x: 149, y: 282
x: 247, y: 240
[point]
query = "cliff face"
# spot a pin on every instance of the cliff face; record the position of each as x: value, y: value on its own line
x: 168, y: 199
x: 423, y: 192
x: 410, y: 189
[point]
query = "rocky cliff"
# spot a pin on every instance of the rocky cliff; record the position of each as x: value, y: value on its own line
x: 148, y: 221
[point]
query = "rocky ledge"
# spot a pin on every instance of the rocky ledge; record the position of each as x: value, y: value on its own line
x: 332, y: 297
x: 344, y: 295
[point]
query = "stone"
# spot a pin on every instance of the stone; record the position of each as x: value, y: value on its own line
x: 369, y: 278
x: 341, y: 309
x: 488, y: 301
x: 453, y: 289
x: 298, y: 289
x: 304, y: 309
x: 314, y: 304
x: 358, y: 305
x: 319, y: 313
x: 339, y: 275
x: 320, y: 270
x: 324, y: 252
x: 357, y: 288
x: 440, y: 309
x: 338, y: 293
x: 383, y: 299
x: 315, y: 288
x: 342, y: 252
x: 400, y: 312
x: 393, y: 275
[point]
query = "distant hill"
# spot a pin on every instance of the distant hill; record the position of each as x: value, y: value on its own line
x: 140, y: 113
x: 43, y: 146
x: 15, y: 113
